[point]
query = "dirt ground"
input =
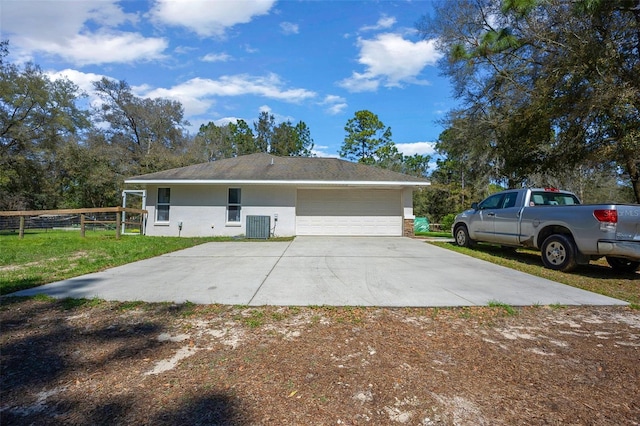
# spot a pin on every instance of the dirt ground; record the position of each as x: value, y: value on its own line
x: 93, y: 362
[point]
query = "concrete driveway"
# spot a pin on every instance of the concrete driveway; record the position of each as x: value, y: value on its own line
x: 353, y: 271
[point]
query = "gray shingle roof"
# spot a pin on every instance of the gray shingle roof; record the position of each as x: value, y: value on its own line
x: 269, y: 168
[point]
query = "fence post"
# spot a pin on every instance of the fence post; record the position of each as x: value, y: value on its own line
x: 82, y: 225
x: 21, y: 232
x: 118, y: 222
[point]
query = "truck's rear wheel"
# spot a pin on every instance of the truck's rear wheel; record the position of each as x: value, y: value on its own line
x: 461, y: 234
x: 622, y: 265
x: 559, y: 253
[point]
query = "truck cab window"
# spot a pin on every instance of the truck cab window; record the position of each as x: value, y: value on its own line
x: 509, y: 200
x: 493, y: 202
x: 553, y: 199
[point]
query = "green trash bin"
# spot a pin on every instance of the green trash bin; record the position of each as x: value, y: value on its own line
x: 420, y: 224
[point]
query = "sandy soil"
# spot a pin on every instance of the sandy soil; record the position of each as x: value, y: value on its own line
x: 131, y: 363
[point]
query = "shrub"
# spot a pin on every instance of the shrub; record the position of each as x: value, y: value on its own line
x: 447, y: 221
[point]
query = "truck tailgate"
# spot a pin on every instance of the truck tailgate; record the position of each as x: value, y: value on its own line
x: 628, y: 228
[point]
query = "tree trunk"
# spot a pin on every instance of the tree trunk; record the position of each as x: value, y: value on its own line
x: 634, y: 177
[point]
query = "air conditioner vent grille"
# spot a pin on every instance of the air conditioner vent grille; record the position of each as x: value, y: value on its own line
x: 258, y: 227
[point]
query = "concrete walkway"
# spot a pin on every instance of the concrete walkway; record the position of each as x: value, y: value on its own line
x: 350, y: 271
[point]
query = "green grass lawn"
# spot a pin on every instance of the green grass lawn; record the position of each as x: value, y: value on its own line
x: 434, y: 234
x: 44, y: 257
x: 597, y: 277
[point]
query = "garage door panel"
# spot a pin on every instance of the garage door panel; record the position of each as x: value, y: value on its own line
x: 328, y: 202
x: 349, y: 212
x: 349, y: 225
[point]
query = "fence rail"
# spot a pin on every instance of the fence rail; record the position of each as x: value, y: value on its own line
x: 42, y: 215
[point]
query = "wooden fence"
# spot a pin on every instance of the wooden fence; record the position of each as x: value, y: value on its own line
x: 83, y: 221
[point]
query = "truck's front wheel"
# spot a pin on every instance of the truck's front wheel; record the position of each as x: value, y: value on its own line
x: 461, y: 234
x: 559, y: 253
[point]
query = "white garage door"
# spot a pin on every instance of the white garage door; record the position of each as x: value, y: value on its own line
x: 349, y: 212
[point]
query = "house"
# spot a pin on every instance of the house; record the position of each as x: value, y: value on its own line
x: 294, y: 195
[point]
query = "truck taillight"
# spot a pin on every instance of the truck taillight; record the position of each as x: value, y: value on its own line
x: 608, y: 215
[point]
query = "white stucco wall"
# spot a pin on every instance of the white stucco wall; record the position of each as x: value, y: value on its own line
x: 202, y: 209
x: 407, y: 203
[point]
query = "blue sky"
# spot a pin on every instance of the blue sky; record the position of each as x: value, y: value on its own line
x: 315, y: 61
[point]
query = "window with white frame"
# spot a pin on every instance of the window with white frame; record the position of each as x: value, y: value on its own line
x: 163, y: 204
x: 233, y: 205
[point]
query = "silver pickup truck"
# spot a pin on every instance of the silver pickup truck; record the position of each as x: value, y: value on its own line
x: 566, y: 232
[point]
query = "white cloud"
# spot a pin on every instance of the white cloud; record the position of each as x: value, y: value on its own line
x: 195, y: 123
x: 184, y: 50
x: 56, y: 21
x: 336, y: 109
x: 383, y: 23
x: 250, y: 49
x: 321, y: 151
x: 226, y: 120
x: 360, y: 83
x: 422, y: 148
x: 289, y: 28
x: 277, y: 118
x: 106, y: 48
x: 334, y: 104
x: 330, y: 99
x: 141, y: 89
x: 216, y: 57
x: 391, y: 61
x: 207, y: 17
x: 83, y: 80
x: 63, y: 29
x: 196, y: 95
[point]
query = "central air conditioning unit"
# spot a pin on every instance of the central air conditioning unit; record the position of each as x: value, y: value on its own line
x: 258, y: 227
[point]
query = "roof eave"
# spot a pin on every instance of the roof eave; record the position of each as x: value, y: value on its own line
x: 277, y: 182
